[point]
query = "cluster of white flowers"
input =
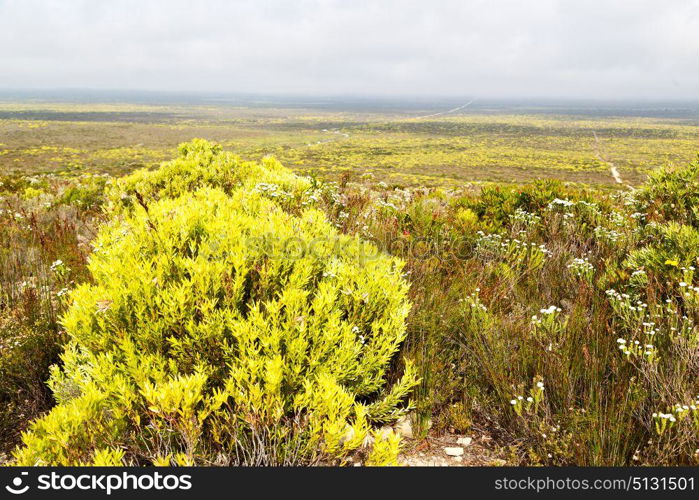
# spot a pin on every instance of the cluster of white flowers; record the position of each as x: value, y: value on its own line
x: 636, y: 348
x: 528, y: 403
x: 551, y: 310
x: 496, y: 244
x: 624, y: 300
x: 386, y: 204
x: 560, y: 203
x: 688, y: 289
x: 582, y: 268
x: 272, y: 190
x: 563, y: 205
x: 474, y: 301
x: 605, y: 235
x: 13, y: 215
x: 57, y: 265
x: 679, y: 412
x: 480, y: 306
x: 665, y: 421
x: 649, y: 328
x: 617, y: 219
x: 519, y: 401
x: 667, y: 416
x: 525, y: 218
x: 489, y: 241
x: 311, y: 197
x: 683, y: 410
x: 361, y: 338
x: 569, y: 208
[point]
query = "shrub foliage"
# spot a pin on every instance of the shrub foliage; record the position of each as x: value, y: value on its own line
x: 222, y: 329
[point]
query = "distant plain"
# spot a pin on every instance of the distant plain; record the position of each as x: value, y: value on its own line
x: 400, y: 143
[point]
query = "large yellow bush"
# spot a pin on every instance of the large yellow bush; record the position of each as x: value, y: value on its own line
x: 222, y: 329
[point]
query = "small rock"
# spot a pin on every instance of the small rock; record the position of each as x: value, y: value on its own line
x: 464, y: 441
x: 458, y: 459
x: 349, y: 434
x: 385, y: 431
x: 454, y: 451
x: 404, y: 427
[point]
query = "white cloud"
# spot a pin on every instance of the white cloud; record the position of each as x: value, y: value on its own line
x: 561, y: 48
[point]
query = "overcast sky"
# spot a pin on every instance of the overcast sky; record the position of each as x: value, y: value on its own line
x: 486, y: 48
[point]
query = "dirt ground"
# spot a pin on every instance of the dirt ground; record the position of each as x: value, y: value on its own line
x: 430, y: 452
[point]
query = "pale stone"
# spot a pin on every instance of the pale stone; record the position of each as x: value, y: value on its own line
x: 464, y: 441
x: 404, y: 428
x: 348, y: 435
x: 454, y: 451
x: 385, y: 431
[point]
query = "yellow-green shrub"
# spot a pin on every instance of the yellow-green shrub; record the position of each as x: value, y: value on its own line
x: 204, y: 164
x: 217, y: 320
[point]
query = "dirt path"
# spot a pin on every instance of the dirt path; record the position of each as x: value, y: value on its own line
x: 612, y: 168
x: 453, y: 110
x: 335, y: 132
x: 340, y: 134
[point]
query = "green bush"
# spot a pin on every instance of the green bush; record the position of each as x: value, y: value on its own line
x: 672, y: 194
x: 221, y: 329
x: 496, y: 204
x: 87, y: 193
x: 669, y: 247
x: 28, y: 346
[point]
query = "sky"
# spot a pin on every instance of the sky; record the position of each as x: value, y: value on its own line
x: 592, y: 49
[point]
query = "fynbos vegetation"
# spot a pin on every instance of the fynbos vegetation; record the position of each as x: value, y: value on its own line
x: 221, y: 311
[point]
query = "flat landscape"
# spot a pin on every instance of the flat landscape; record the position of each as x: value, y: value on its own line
x: 408, y: 145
